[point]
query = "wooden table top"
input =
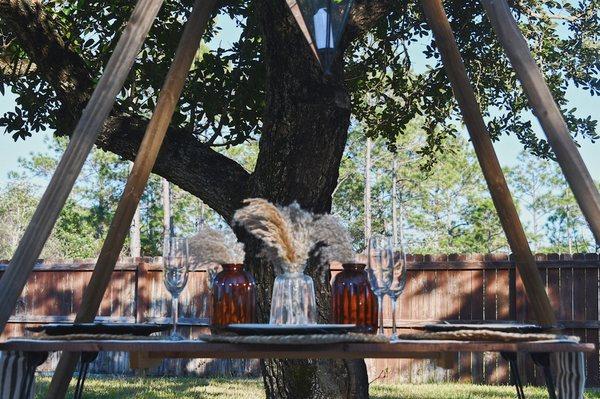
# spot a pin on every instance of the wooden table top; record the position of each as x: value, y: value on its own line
x: 199, y: 349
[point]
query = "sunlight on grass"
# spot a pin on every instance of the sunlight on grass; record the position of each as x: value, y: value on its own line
x: 195, y: 388
x: 456, y: 391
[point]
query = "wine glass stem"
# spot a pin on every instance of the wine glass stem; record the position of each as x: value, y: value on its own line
x: 394, y: 306
x: 175, y: 306
x: 380, y: 306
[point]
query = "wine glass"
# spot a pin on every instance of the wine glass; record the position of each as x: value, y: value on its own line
x: 176, y: 267
x: 397, y: 284
x: 380, y: 261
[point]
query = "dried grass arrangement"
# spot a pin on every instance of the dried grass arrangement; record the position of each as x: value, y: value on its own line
x: 213, y: 246
x: 291, y: 234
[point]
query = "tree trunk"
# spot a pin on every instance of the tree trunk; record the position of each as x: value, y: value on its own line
x: 304, y: 133
x: 135, y: 245
x: 135, y: 235
x: 201, y: 211
x: 401, y: 240
x: 168, y: 227
x: 367, y: 199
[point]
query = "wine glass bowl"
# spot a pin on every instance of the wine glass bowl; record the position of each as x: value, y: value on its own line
x: 380, y: 261
x: 175, y: 279
x: 176, y: 268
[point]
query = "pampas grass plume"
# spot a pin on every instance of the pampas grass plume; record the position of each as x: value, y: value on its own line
x: 264, y: 221
x: 211, y: 246
x: 289, y: 234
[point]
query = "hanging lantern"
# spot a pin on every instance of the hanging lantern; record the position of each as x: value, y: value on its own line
x: 323, y: 22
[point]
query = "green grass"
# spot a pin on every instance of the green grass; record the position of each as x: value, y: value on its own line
x: 198, y: 388
x: 164, y: 388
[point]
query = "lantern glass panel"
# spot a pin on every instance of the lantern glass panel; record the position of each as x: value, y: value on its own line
x: 325, y: 21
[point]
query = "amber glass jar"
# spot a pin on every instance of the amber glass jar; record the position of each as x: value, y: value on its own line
x: 353, y: 300
x: 234, y: 296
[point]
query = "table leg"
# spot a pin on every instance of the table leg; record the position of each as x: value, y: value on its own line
x: 569, y: 374
x: 511, y: 357
x: 84, y: 365
x: 17, y: 373
x: 543, y: 360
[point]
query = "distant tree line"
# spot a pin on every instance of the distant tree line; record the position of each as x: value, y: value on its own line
x: 445, y: 207
x: 442, y: 207
x: 86, y: 217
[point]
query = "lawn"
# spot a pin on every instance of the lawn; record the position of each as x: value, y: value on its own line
x: 195, y: 388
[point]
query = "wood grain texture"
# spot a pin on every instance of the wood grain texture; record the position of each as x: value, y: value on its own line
x: 136, y: 183
x: 79, y: 147
x: 195, y: 348
x: 547, y: 112
x: 503, y: 202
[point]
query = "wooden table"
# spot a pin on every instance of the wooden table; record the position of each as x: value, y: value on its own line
x: 199, y: 349
x: 158, y: 349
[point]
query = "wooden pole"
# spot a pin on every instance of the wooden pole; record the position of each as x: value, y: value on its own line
x: 509, y: 218
x: 545, y: 109
x: 144, y: 162
x: 80, y: 145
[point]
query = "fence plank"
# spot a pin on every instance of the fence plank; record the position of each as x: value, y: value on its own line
x: 591, y: 313
x: 553, y: 288
x: 441, y: 310
x: 566, y: 294
x: 477, y: 284
x: 490, y: 359
x: 501, y: 373
x: 466, y: 313
x: 415, y: 304
x: 428, y: 292
x: 455, y: 302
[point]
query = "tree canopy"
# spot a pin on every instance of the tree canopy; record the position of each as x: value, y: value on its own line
x: 52, y: 52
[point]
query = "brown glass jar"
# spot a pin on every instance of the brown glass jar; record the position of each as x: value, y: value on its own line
x: 234, y: 296
x: 353, y: 300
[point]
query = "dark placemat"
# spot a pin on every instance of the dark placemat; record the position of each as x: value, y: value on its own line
x: 290, y: 329
x: 499, y: 327
x: 101, y: 328
x: 484, y: 335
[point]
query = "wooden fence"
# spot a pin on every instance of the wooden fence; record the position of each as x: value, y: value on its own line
x: 440, y: 287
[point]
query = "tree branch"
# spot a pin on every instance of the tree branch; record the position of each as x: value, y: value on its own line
x: 216, y: 179
x: 183, y: 160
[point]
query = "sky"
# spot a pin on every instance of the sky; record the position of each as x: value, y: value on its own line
x: 507, y: 147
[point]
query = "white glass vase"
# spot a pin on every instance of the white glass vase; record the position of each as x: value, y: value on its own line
x: 293, y: 300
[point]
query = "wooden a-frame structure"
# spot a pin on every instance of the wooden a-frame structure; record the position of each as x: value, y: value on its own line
x: 117, y: 69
